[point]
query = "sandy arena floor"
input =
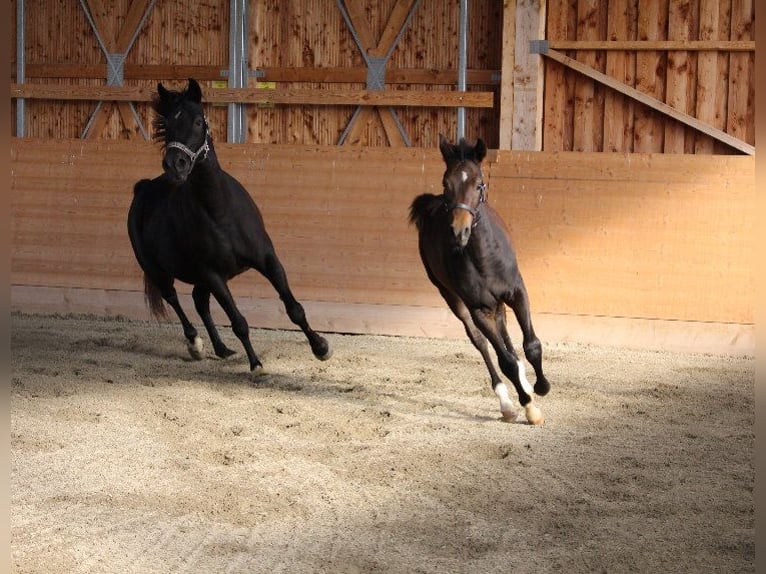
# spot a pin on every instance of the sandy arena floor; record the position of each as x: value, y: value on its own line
x: 129, y: 457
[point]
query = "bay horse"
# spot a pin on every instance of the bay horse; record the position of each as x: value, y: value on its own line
x: 196, y: 223
x: 467, y: 253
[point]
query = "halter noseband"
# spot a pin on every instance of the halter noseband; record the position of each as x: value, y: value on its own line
x: 472, y: 210
x: 193, y: 155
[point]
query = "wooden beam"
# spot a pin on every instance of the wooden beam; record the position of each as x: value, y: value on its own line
x: 396, y: 22
x: 653, y: 103
x: 133, y: 19
x: 158, y: 72
x: 395, y: 98
x: 654, y: 45
x: 508, y: 61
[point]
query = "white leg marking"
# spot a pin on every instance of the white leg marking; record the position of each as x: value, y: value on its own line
x: 506, y: 404
x: 195, y: 349
x: 523, y: 378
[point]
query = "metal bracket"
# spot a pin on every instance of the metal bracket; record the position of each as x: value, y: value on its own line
x: 538, y: 46
x: 376, y: 72
x: 115, y: 68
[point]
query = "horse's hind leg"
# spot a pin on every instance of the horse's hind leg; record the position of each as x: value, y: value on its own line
x: 509, y: 365
x: 217, y: 286
x: 507, y: 409
x: 275, y: 273
x: 201, y: 298
x: 533, y: 349
x: 502, y: 328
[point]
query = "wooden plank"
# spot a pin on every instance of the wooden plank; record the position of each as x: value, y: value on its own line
x: 396, y: 21
x: 358, y: 17
x: 653, y: 103
x: 408, y: 320
x: 620, y: 65
x: 130, y: 71
x: 262, y: 96
x: 678, y: 72
x: 740, y: 121
x: 508, y: 65
x: 650, y: 76
x: 558, y: 119
x: 587, y: 134
x: 528, y: 77
x: 707, y: 75
x: 656, y: 45
x: 387, y: 117
x: 130, y: 26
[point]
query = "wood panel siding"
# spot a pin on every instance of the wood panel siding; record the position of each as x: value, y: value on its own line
x: 696, y: 56
x: 648, y: 236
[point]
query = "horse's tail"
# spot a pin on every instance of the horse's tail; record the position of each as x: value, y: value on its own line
x: 154, y: 299
x: 423, y: 208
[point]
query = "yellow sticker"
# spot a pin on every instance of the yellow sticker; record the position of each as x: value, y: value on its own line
x: 266, y: 85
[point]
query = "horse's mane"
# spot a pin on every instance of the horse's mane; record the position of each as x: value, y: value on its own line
x: 424, y: 207
x: 162, y: 108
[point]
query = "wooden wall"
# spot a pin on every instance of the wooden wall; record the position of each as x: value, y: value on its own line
x: 715, y: 85
x: 696, y: 56
x: 297, y: 44
x: 643, y: 236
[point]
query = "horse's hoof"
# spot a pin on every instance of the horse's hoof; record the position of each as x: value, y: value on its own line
x: 224, y: 353
x: 326, y: 356
x: 509, y: 415
x: 195, y: 349
x: 534, y: 414
x: 542, y: 387
x: 256, y: 372
x: 323, y: 351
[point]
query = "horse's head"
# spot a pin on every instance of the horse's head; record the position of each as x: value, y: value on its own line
x: 464, y: 187
x: 181, y: 126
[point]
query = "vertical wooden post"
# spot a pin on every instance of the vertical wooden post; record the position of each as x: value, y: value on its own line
x: 528, y: 80
x: 508, y: 62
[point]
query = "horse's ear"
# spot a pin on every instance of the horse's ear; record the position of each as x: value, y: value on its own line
x: 479, y: 150
x: 194, y: 91
x: 162, y: 91
x: 447, y: 149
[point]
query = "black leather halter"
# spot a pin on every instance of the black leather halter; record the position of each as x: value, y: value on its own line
x: 474, y: 211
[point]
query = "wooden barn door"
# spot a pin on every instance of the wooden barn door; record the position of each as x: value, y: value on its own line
x: 653, y: 76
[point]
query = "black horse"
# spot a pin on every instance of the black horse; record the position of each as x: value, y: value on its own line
x: 197, y: 224
x: 467, y: 253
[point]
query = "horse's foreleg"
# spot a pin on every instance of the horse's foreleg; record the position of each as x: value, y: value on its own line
x: 239, y: 326
x: 193, y: 341
x: 533, y: 349
x: 201, y: 298
x: 507, y: 408
x: 509, y: 363
x: 275, y: 273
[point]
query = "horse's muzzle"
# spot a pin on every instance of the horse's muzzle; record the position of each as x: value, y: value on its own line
x: 177, y: 166
x: 462, y: 222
